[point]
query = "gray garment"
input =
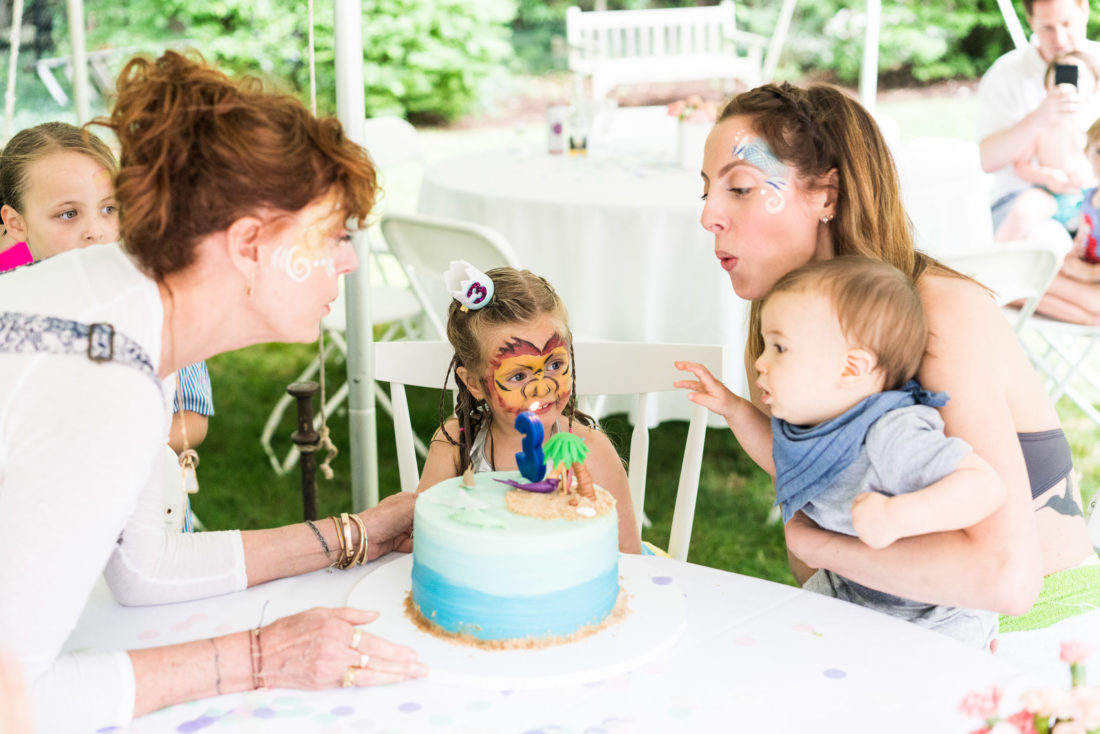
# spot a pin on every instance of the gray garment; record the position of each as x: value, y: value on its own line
x: 905, y: 451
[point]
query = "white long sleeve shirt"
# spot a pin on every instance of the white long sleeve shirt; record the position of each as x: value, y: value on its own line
x: 82, y: 466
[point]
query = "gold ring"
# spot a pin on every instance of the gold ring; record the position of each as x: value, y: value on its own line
x: 363, y: 660
x: 349, y: 678
x: 356, y: 637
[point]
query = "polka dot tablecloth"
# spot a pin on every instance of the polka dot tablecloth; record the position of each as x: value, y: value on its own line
x: 754, y: 656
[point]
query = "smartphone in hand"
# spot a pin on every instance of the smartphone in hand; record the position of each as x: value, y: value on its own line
x: 1065, y: 74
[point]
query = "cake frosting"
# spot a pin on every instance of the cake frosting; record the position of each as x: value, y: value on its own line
x: 484, y: 571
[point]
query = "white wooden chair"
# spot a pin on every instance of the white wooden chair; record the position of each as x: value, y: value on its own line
x: 611, y: 47
x: 605, y: 368
x: 425, y: 247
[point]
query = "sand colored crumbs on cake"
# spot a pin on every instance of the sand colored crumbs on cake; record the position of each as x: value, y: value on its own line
x: 558, y: 505
x: 618, y: 613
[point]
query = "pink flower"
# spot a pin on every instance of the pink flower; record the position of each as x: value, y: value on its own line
x: 1069, y: 727
x: 1086, y: 706
x: 1024, y: 721
x: 981, y: 705
x: 675, y: 109
x: 1045, y: 702
x: 1076, y: 651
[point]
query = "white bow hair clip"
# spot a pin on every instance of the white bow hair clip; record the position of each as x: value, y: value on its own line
x: 468, y: 285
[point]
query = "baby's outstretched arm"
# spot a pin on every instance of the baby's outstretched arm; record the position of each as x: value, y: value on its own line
x: 752, y: 428
x: 961, y: 499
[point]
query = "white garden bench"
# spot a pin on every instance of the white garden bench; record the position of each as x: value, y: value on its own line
x: 613, y: 47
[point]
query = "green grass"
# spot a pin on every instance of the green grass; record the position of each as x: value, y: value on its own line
x: 240, y: 490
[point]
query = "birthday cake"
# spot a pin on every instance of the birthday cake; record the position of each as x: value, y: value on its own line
x: 501, y: 567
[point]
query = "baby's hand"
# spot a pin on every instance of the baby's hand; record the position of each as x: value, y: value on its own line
x: 871, y: 520
x: 707, y: 391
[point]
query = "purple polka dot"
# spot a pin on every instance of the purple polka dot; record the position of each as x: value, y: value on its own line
x: 107, y: 729
x: 662, y: 580
x: 409, y: 707
x: 506, y: 693
x: 534, y: 731
x: 835, y: 673
x: 594, y: 684
x: 343, y: 711
x: 196, y: 724
x: 265, y: 712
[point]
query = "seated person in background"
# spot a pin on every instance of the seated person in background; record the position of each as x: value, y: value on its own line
x: 1055, y: 162
x: 56, y: 195
x: 854, y: 442
x: 1074, y: 294
x: 55, y: 192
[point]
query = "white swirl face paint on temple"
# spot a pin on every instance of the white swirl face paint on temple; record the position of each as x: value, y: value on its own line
x: 297, y: 263
x: 754, y: 151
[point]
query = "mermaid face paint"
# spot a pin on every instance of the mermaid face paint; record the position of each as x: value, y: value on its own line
x: 755, y: 152
x: 765, y: 222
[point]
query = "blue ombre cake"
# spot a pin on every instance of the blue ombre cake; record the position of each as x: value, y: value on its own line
x: 494, y: 576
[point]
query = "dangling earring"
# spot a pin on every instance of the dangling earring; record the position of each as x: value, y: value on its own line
x: 248, y: 288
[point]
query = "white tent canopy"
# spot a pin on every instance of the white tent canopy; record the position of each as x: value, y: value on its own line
x: 350, y: 105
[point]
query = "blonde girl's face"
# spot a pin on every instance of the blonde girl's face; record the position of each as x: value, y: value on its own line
x: 68, y: 203
x: 527, y: 367
x: 302, y: 260
x: 765, y: 222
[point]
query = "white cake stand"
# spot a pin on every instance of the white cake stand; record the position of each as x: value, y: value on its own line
x: 656, y: 618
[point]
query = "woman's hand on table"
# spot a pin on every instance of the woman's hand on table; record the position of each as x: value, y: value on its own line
x: 313, y: 650
x: 389, y: 525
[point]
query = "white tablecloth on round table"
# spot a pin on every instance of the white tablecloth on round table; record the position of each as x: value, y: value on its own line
x: 754, y: 656
x: 619, y: 240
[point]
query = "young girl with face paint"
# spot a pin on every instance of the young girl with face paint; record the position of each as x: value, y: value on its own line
x: 55, y: 193
x: 236, y: 204
x: 840, y: 196
x: 511, y: 355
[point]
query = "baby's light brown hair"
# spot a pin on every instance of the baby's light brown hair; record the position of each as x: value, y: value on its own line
x: 878, y: 308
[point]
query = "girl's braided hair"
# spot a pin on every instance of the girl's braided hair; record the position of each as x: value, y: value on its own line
x: 519, y: 296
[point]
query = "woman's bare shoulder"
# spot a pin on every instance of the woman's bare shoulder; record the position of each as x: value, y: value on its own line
x: 954, y: 304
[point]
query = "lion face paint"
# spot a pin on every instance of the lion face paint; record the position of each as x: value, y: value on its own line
x: 522, y: 373
x: 753, y: 150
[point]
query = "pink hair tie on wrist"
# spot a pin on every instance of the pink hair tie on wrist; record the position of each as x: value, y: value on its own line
x: 468, y: 285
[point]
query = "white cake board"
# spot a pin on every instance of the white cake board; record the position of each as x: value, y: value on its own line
x: 656, y: 617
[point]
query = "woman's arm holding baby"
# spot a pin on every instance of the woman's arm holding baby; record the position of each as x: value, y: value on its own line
x: 962, y: 498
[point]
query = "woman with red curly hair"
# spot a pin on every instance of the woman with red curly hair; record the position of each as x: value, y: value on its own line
x: 235, y: 204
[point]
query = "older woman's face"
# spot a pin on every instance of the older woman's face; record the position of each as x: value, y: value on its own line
x: 303, y: 261
x: 765, y: 222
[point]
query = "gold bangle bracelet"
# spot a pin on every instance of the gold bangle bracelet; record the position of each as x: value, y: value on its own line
x: 349, y: 557
x: 361, y: 551
x: 339, y: 540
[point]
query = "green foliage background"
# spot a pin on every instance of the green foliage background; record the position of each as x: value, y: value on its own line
x: 431, y: 60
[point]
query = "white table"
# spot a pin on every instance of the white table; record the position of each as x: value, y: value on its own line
x: 754, y: 656
x: 619, y: 239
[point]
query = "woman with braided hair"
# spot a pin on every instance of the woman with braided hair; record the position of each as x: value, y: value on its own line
x: 236, y: 204
x: 793, y: 175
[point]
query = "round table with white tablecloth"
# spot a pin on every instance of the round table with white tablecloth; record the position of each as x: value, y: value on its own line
x: 618, y: 238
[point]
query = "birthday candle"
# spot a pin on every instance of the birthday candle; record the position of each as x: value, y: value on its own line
x: 530, y: 461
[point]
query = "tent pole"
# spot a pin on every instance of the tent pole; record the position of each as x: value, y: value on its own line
x: 1012, y: 22
x: 350, y: 108
x: 13, y: 67
x: 868, y: 73
x: 80, y: 61
x: 779, y: 36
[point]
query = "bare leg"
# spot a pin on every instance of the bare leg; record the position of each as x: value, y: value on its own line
x: 1071, y: 300
x: 1029, y: 208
